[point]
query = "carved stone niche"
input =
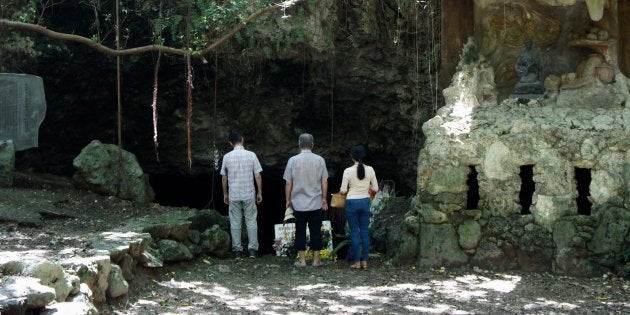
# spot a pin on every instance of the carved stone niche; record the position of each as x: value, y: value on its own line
x: 567, y: 32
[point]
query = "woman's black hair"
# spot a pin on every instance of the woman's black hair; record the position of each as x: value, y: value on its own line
x: 357, y: 153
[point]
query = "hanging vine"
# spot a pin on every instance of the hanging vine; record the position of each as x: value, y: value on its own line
x: 189, y: 110
x: 118, y: 100
x: 189, y: 88
x: 154, y: 115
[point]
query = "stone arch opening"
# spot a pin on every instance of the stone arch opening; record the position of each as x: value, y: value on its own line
x: 472, y: 195
x: 528, y: 186
x: 583, y: 181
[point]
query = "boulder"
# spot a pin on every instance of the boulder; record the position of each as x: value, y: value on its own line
x: 20, y: 295
x: 117, y: 286
x: 215, y: 241
x: 70, y: 308
x: 174, y: 251
x: 53, y: 275
x: 399, y: 244
x: 207, y: 218
x: 108, y: 170
x: 94, y: 272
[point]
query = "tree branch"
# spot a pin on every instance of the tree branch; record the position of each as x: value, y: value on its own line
x: 142, y: 49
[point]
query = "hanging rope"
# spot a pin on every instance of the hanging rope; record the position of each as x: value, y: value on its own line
x: 215, y: 152
x: 118, y: 102
x: 432, y: 50
x: 154, y: 106
x: 189, y: 110
x: 332, y: 99
x: 189, y: 88
x: 154, y: 98
x: 418, y: 98
x: 118, y: 79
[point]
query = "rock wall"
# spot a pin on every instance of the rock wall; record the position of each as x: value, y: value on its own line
x: 346, y: 71
x: 477, y: 205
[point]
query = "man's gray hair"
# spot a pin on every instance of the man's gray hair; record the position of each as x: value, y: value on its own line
x: 306, y: 141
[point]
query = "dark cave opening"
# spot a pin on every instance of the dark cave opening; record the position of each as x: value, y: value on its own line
x: 472, y: 196
x: 199, y: 192
x: 583, y: 181
x: 528, y: 186
x: 204, y: 191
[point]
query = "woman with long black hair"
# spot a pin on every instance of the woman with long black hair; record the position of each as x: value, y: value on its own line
x: 356, y: 184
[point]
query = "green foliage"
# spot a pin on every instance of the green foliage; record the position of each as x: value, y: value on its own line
x: 19, y: 10
x: 267, y: 51
x: 239, y: 38
x: 194, y: 24
x: 17, y: 49
x: 198, y: 23
x: 342, y: 244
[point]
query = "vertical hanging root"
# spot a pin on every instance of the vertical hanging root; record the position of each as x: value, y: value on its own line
x: 189, y: 88
x: 154, y: 106
x: 119, y: 119
x: 332, y: 100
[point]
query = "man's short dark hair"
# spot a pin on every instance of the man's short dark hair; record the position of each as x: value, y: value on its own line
x: 235, y: 137
x: 306, y: 141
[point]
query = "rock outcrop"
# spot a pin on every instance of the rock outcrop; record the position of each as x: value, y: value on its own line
x: 108, y: 170
x: 76, y: 285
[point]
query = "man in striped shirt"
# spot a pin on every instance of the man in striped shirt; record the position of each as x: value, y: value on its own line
x: 239, y: 169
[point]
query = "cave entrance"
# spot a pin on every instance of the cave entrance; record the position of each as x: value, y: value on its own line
x: 472, y: 196
x: 199, y: 192
x: 205, y: 192
x: 583, y: 181
x: 528, y: 186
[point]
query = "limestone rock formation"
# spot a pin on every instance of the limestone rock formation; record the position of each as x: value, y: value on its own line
x: 21, y: 294
x: 547, y: 180
x: 105, y: 169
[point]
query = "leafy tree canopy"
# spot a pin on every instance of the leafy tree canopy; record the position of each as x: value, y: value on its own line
x: 173, y: 26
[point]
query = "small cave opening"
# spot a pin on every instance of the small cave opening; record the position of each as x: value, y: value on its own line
x: 205, y: 192
x: 194, y: 191
x: 528, y: 186
x: 583, y: 181
x: 472, y: 196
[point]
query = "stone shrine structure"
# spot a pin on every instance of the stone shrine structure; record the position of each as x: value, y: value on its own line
x: 543, y: 185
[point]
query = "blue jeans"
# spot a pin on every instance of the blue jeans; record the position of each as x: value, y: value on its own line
x: 358, y: 213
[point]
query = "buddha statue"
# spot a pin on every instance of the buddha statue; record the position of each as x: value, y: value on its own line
x: 528, y: 69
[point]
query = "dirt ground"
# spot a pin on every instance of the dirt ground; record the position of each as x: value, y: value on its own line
x: 270, y: 285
